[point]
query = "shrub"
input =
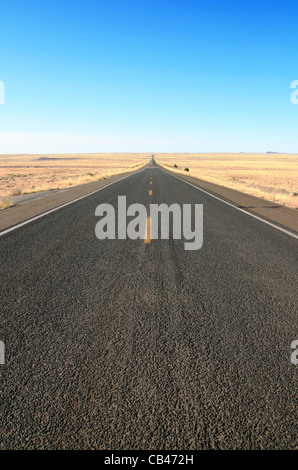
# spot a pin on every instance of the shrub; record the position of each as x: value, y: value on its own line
x: 186, y: 169
x: 16, y: 192
x: 5, y: 203
x: 175, y: 166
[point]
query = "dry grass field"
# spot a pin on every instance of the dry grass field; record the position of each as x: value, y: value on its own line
x: 23, y: 174
x: 271, y: 176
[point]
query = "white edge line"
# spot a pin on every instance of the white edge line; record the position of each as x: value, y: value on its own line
x: 238, y: 208
x: 15, y: 227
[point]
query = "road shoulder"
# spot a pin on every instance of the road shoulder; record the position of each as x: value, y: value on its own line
x: 34, y: 207
x: 280, y: 215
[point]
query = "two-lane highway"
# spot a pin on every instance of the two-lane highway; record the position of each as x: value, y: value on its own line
x: 139, y: 344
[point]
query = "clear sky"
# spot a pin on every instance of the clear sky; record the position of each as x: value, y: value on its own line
x: 151, y: 76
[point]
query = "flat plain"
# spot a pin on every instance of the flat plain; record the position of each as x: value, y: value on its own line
x: 270, y: 176
x: 26, y: 174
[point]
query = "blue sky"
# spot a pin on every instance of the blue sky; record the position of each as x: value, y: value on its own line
x: 148, y: 76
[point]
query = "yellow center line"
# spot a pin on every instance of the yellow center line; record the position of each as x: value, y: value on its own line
x: 150, y: 182
x: 148, y: 230
x: 150, y: 193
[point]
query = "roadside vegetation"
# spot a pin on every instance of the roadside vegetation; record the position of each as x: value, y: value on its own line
x: 271, y: 176
x: 25, y: 174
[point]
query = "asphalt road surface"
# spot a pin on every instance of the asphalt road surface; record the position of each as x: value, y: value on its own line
x: 121, y: 344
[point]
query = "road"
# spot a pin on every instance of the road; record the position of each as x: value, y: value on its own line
x: 121, y: 344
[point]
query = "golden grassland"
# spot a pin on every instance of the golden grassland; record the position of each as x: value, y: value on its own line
x: 271, y: 176
x: 24, y: 174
